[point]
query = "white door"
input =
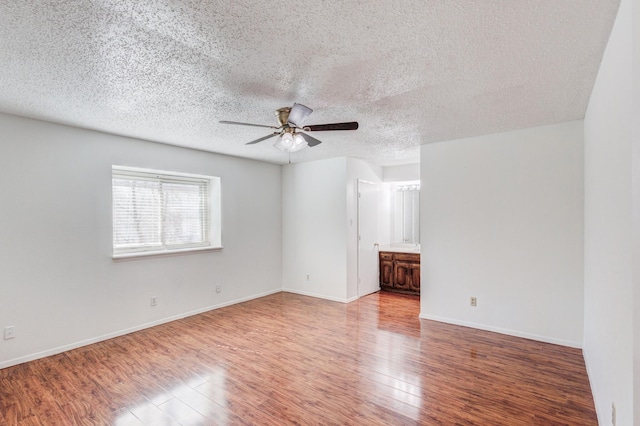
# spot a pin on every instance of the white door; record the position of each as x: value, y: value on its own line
x: 367, y: 238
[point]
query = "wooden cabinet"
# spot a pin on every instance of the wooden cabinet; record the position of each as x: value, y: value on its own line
x: 386, y: 269
x: 400, y: 272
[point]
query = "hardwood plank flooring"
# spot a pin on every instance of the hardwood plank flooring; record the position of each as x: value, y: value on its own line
x: 287, y: 359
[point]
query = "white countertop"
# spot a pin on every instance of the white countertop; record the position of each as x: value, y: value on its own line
x: 400, y: 248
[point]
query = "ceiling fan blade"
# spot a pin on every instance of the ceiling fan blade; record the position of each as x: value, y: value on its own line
x: 263, y: 138
x: 248, y: 124
x: 298, y: 114
x: 352, y: 125
x: 311, y: 141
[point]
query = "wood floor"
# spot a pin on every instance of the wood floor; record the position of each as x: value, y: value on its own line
x: 289, y: 359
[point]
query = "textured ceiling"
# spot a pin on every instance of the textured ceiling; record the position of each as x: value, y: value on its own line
x: 410, y: 72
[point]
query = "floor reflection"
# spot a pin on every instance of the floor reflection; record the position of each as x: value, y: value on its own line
x: 197, y: 402
x: 401, y: 387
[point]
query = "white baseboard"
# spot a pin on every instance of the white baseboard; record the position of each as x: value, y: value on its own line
x: 322, y: 296
x: 318, y: 296
x: 509, y: 332
x: 64, y: 348
x: 353, y: 299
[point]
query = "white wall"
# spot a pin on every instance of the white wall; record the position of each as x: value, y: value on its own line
x: 320, y: 226
x: 314, y: 224
x: 59, y: 286
x: 401, y: 173
x: 608, y: 332
x: 636, y: 208
x: 501, y: 220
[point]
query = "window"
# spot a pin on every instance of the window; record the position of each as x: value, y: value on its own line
x: 162, y: 212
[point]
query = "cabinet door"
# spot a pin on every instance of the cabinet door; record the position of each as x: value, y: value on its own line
x: 402, y: 275
x: 386, y: 272
x: 415, y: 277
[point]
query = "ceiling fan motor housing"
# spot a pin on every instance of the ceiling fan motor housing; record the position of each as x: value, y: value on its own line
x: 283, y: 115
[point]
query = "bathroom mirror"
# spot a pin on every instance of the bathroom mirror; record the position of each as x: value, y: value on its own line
x: 405, y: 201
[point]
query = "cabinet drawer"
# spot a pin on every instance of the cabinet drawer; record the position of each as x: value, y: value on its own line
x: 407, y: 257
x: 384, y: 255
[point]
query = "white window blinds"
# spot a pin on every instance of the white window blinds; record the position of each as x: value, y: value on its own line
x: 157, y: 212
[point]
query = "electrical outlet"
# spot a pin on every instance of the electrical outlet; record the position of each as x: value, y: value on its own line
x: 474, y: 301
x: 219, y: 288
x: 9, y: 332
x: 308, y: 277
x: 613, y: 413
x: 154, y: 301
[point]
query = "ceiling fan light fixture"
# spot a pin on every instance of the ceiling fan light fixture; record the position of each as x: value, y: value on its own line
x: 298, y: 143
x: 290, y: 143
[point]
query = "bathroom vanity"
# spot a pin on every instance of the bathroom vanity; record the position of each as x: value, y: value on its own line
x: 400, y: 270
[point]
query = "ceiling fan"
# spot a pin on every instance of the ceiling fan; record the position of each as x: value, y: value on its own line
x: 290, y: 131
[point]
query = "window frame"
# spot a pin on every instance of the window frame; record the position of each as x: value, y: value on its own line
x: 213, y: 206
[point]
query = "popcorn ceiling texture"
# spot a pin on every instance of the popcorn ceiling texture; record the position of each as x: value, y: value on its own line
x: 410, y: 71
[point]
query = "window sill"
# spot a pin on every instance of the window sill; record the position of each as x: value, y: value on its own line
x: 162, y: 253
